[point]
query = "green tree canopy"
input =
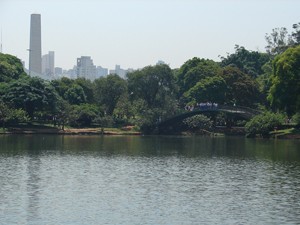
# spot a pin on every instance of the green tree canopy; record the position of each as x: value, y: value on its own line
x: 62, y: 85
x: 87, y: 87
x: 108, y: 90
x: 10, y: 115
x: 63, y: 112
x: 198, y: 122
x: 296, y: 33
x: 262, y: 124
x: 31, y: 94
x: 285, y: 90
x: 11, y: 68
x: 123, y: 109
x: 191, y: 72
x: 75, y: 95
x: 249, y: 62
x: 241, y: 88
x: 191, y: 63
x: 211, y: 89
x: 264, y: 82
x: 83, y: 115
x: 153, y: 84
x: 153, y: 94
x: 278, y: 41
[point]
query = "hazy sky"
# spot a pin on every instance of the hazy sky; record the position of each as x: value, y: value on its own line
x: 137, y: 33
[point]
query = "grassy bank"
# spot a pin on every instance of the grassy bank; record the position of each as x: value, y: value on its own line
x: 42, y: 129
x: 291, y: 133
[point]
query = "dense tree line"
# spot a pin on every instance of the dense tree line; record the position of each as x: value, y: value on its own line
x: 254, y: 79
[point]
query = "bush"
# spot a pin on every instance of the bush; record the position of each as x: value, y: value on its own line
x: 296, y: 119
x: 264, y: 123
x: 10, y: 116
x: 198, y: 122
x: 18, y: 116
x: 104, y: 121
x: 83, y: 115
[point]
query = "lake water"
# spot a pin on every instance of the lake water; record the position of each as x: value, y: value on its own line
x: 134, y: 180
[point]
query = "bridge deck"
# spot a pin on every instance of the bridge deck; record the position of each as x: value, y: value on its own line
x: 244, y: 112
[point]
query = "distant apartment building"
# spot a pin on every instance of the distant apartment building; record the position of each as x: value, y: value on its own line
x: 160, y: 62
x: 48, y: 65
x: 58, y: 71
x: 100, y: 72
x: 130, y: 70
x: 71, y: 73
x: 119, y: 71
x: 86, y: 68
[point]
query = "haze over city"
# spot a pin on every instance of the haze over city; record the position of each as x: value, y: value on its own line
x: 135, y: 33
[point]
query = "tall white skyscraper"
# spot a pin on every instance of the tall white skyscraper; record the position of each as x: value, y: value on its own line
x: 35, y: 47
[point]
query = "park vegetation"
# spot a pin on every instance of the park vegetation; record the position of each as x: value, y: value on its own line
x: 267, y: 81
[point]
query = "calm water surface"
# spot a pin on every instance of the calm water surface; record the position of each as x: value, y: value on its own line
x: 86, y: 180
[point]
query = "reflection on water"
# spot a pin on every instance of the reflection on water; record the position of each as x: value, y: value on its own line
x: 236, y: 147
x: 148, y: 180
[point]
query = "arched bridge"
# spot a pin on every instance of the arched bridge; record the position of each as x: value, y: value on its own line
x: 236, y: 111
x: 244, y: 112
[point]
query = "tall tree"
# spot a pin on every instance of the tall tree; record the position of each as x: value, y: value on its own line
x: 241, y: 88
x: 108, y: 91
x: 191, y: 72
x: 285, y: 90
x: 211, y: 89
x: 83, y: 115
x: 32, y: 94
x: 264, y: 82
x: 296, y: 33
x: 249, y: 62
x: 11, y: 68
x: 153, y: 92
x: 11, y: 115
x: 181, y: 72
x: 278, y: 41
x: 87, y: 87
x: 62, y: 85
x: 153, y: 84
x: 75, y: 95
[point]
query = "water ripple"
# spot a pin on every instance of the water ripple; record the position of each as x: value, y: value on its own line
x: 95, y: 188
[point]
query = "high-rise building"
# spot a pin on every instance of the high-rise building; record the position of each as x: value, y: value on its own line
x: 101, y: 72
x: 35, y: 48
x: 48, y: 65
x: 58, y: 71
x: 86, y: 68
x: 119, y: 71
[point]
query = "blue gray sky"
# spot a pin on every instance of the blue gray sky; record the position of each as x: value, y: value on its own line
x: 137, y: 33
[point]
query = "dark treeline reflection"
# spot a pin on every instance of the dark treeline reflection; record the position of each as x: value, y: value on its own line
x: 233, y: 147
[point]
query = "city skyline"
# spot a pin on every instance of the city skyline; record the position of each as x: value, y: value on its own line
x: 135, y: 33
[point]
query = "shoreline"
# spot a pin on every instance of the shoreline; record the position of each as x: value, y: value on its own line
x: 112, y: 131
x: 68, y: 131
